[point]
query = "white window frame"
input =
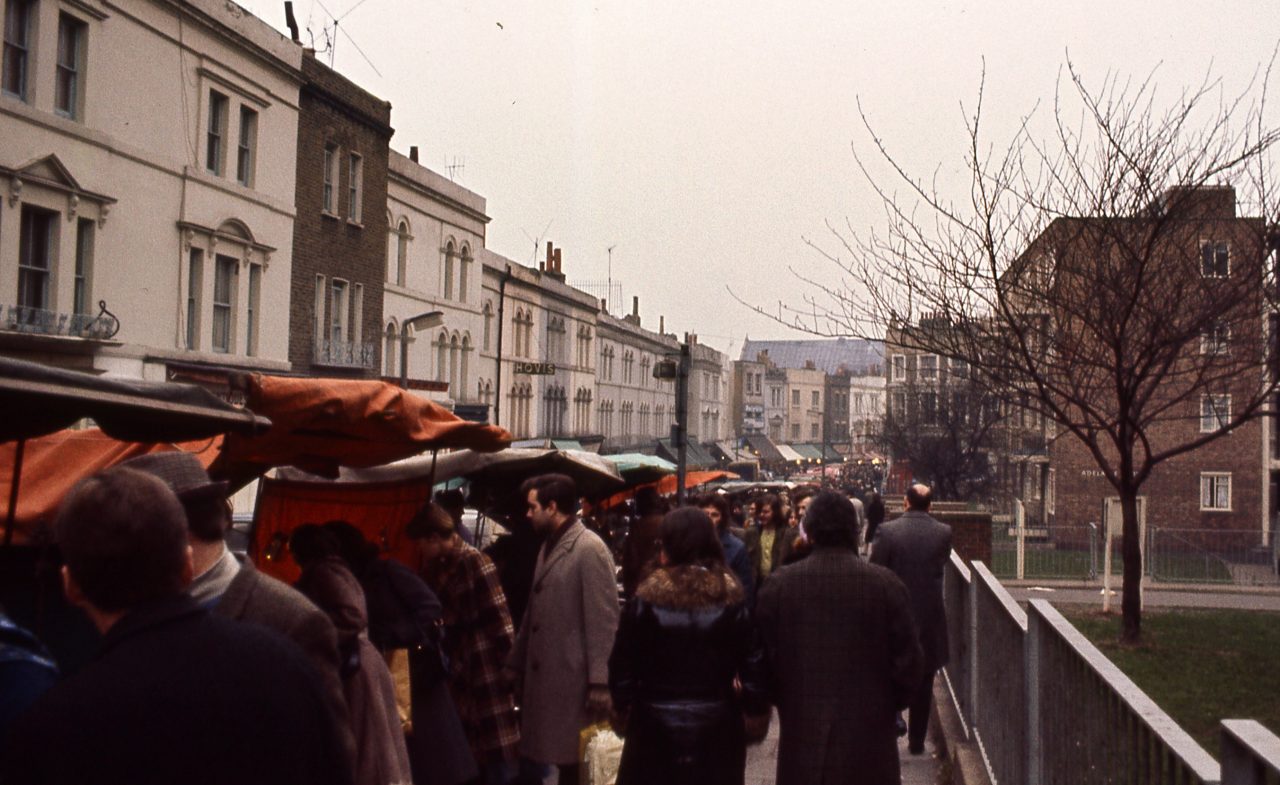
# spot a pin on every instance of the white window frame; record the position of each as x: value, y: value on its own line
x: 41, y: 267
x: 195, y: 290
x: 1210, y: 488
x: 253, y: 310
x: 1216, y: 340
x: 24, y: 46
x: 932, y: 366
x: 1212, y: 416
x: 247, y: 147
x: 215, y: 146
x: 328, y: 195
x: 1217, y: 247
x: 73, y: 70
x: 355, y: 188
x: 339, y: 312
x: 898, y: 364
x: 227, y: 308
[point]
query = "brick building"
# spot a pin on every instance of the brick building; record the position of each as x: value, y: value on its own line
x: 340, y: 232
x: 1228, y: 483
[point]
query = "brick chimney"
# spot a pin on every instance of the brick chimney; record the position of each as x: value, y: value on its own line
x: 413, y: 153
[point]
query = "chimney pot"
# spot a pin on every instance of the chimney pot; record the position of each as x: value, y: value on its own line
x: 413, y: 153
x: 558, y: 260
x: 604, y: 305
x: 635, y: 305
x: 662, y: 325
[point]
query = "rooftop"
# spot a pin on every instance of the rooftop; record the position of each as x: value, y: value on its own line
x: 828, y: 355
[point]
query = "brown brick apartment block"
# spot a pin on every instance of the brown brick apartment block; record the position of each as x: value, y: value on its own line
x: 340, y: 232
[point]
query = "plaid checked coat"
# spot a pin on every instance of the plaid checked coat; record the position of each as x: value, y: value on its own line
x: 478, y: 638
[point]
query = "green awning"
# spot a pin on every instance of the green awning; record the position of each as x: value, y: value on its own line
x: 566, y: 444
x: 809, y: 452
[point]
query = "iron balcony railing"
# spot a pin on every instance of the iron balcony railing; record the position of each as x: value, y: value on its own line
x: 345, y: 354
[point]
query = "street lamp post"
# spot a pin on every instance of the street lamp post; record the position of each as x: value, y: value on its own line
x: 423, y: 321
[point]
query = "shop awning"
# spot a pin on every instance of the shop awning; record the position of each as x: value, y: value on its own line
x: 763, y: 448
x: 566, y: 444
x: 811, y: 452
x: 695, y: 456
x: 789, y: 454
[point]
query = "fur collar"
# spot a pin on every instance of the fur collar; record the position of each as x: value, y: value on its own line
x: 690, y: 587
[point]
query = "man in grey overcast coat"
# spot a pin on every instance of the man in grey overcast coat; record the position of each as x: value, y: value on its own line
x: 916, y: 548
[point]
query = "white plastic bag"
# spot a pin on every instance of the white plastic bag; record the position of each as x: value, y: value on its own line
x: 602, y: 758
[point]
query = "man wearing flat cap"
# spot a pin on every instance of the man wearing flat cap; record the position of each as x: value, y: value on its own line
x: 232, y: 588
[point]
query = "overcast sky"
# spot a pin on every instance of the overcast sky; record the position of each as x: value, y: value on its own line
x: 705, y: 139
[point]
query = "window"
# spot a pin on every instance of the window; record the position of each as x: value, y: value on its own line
x: 402, y: 252
x: 899, y: 406
x: 318, y: 312
x: 17, y: 47
x: 795, y: 397
x: 357, y: 313
x: 463, y: 263
x: 899, y: 367
x: 448, y: 274
x: 1215, y: 412
x: 246, y: 146
x: 215, y: 136
x: 355, y: 188
x: 329, y: 205
x: 82, y: 297
x: 66, y: 94
x: 959, y: 369
x: 928, y: 408
x: 816, y: 396
x: 928, y: 367
x: 253, y: 311
x: 488, y: 321
x: 1215, y: 260
x: 195, y: 283
x: 1216, y: 340
x: 224, y: 286
x: 1215, y: 491
x: 795, y: 432
x: 35, y: 257
x: 337, y: 312
x: 813, y: 431
x: 389, y: 351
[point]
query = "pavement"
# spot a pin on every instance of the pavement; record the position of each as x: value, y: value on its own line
x: 1258, y: 600
x: 762, y: 760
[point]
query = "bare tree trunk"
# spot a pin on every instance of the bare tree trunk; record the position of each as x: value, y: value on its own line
x: 1131, y: 550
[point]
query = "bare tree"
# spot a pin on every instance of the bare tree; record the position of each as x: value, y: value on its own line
x: 1099, y: 275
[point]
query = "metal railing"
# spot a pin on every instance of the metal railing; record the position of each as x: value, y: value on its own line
x: 1206, y: 556
x: 1044, y: 705
x: 347, y: 354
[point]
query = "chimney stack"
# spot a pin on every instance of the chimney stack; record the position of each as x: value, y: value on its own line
x: 662, y: 325
x: 291, y: 22
x: 413, y: 153
x: 635, y: 306
x: 604, y: 306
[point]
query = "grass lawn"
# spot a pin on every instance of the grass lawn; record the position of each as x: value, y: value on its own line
x: 1200, y: 666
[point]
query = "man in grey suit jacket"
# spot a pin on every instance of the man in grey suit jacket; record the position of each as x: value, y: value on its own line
x: 916, y: 548
x: 235, y: 590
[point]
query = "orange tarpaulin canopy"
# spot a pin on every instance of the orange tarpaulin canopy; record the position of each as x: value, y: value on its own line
x: 53, y: 464
x: 667, y: 485
x: 379, y: 510
x: 319, y: 425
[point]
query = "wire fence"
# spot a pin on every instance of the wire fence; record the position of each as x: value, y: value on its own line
x: 1186, y: 556
x: 1045, y: 706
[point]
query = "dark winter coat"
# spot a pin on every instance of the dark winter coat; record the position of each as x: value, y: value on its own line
x: 783, y: 542
x: 843, y: 657
x: 916, y: 548
x: 682, y: 640
x: 258, y: 598
x: 178, y: 695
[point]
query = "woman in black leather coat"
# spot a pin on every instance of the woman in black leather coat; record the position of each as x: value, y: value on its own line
x: 683, y: 641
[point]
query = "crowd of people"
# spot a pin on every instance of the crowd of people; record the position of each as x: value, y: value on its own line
x: 483, y: 667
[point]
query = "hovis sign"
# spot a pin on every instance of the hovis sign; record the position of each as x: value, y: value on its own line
x: 536, y: 369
